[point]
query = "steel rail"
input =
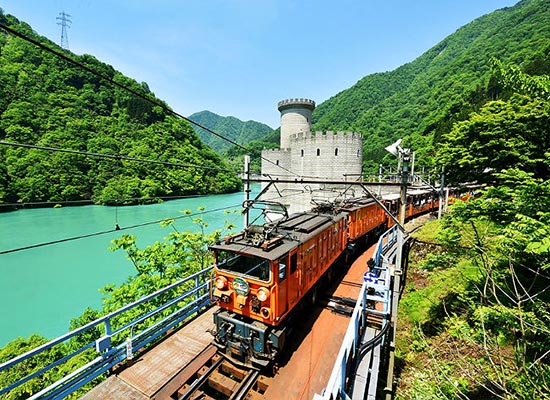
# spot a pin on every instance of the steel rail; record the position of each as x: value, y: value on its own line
x: 245, y: 386
x: 201, y: 380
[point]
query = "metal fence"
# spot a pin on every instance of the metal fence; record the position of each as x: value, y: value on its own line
x: 375, y: 288
x: 117, y: 336
x: 114, y: 337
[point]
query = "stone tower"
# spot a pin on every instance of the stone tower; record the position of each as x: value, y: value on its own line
x: 295, y: 118
x: 329, y: 156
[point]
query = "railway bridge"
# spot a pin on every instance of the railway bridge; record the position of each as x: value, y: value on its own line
x: 342, y: 348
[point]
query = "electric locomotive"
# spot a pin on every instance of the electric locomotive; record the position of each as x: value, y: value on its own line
x: 260, y: 276
x: 262, y: 273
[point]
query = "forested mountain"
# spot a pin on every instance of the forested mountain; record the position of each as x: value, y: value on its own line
x: 417, y: 100
x: 49, y: 102
x: 475, y: 313
x: 235, y: 155
x: 230, y: 127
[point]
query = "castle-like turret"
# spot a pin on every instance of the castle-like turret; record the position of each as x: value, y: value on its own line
x: 295, y: 118
x: 329, y: 156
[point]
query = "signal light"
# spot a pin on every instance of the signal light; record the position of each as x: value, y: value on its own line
x: 263, y: 294
x: 221, y: 282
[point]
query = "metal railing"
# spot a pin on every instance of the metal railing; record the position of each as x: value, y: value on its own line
x: 371, y: 291
x: 115, y: 336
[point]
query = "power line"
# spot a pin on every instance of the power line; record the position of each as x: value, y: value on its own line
x: 110, y: 156
x: 130, y: 90
x: 116, y: 229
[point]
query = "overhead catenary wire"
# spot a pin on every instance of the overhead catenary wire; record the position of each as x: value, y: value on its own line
x: 116, y: 229
x: 110, y: 156
x: 64, y: 56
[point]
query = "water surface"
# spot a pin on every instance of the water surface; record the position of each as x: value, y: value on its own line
x: 43, y: 288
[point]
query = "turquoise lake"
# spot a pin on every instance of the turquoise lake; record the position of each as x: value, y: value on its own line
x: 43, y: 288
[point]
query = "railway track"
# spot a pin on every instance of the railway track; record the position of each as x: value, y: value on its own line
x: 218, y: 378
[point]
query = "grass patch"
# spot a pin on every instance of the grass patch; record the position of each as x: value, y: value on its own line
x: 428, y: 232
x: 430, y: 313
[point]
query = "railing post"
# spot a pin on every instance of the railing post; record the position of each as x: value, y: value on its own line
x: 343, y: 367
x: 356, y: 340
x: 393, y: 313
x: 129, y: 351
x: 364, y: 311
x: 197, y: 284
x: 108, y: 333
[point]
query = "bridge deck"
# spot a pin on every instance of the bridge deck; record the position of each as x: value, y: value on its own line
x: 307, y: 370
x: 157, y: 371
x: 304, y: 369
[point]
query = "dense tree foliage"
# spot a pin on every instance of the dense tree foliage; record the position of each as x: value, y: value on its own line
x: 180, y: 254
x: 230, y: 127
x: 419, y: 100
x: 479, y: 327
x: 48, y: 102
x: 503, y: 134
x: 20, y: 346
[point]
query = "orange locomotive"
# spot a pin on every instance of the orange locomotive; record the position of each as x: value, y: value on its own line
x: 263, y: 273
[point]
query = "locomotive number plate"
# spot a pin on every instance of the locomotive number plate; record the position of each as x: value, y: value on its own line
x: 240, y: 286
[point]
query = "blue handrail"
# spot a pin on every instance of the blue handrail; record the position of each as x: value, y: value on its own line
x: 109, y: 354
x: 335, y: 388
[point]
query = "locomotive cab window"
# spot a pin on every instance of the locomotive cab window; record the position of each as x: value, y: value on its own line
x: 282, y: 269
x: 293, y: 262
x: 241, y: 264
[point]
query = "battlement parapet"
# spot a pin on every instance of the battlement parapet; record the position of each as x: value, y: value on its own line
x: 275, y: 151
x: 302, y: 102
x: 328, y: 136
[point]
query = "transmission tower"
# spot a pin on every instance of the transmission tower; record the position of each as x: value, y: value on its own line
x: 65, y: 23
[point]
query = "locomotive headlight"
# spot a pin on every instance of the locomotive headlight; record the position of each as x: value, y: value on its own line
x: 263, y: 294
x: 221, y: 282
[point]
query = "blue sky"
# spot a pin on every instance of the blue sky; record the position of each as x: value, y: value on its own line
x: 240, y: 57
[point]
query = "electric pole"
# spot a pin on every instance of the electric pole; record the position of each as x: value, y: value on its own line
x: 65, y: 23
x: 246, y: 190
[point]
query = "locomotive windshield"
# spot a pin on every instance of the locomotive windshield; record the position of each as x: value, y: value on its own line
x: 255, y: 267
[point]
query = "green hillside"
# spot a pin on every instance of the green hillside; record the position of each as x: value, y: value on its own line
x: 415, y: 100
x: 230, y: 127
x: 49, y: 102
